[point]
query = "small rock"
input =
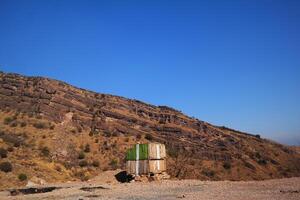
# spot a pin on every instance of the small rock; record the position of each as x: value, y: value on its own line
x: 30, y: 184
x: 181, y: 196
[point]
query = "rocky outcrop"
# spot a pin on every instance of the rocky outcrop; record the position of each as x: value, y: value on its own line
x: 183, y: 135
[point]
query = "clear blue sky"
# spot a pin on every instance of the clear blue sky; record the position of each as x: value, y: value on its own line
x: 233, y: 63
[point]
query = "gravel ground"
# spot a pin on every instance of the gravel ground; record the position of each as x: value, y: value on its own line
x: 173, y: 189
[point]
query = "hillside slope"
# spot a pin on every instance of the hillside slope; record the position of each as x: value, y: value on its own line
x: 57, y: 132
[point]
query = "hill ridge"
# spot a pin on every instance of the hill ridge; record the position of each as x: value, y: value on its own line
x: 109, y: 124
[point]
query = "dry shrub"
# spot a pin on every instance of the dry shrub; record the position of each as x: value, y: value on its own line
x: 3, y: 153
x: 96, y: 163
x: 83, y: 163
x: 7, y: 120
x: 40, y: 125
x: 22, y: 177
x: 6, y: 167
x: 227, y: 165
x: 149, y: 137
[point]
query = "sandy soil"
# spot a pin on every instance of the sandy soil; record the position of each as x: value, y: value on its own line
x: 171, y: 189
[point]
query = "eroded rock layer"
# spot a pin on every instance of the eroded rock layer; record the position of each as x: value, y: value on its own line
x: 196, y: 149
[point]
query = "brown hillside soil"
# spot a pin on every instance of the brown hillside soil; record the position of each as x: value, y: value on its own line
x: 277, y: 189
x: 56, y: 132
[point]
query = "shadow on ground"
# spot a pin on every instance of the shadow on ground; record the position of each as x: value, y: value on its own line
x: 122, y: 177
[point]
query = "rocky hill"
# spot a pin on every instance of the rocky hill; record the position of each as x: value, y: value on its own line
x: 52, y: 131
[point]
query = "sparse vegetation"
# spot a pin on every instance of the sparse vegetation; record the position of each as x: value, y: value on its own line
x: 83, y: 163
x: 208, y: 173
x: 87, y: 148
x: 45, y: 151
x: 6, y: 167
x: 7, y: 120
x: 93, y: 132
x: 58, y: 168
x: 107, y: 134
x: 22, y: 177
x: 40, y: 125
x: 17, y: 143
x: 161, y: 121
x: 257, y: 155
x: 262, y: 161
x: 227, y: 165
x: 14, y: 139
x: 3, y: 153
x: 10, y: 149
x: 149, y: 137
x: 23, y: 124
x: 52, y: 126
x: 172, y: 151
x: 81, y: 155
x: 96, y: 163
x: 81, y: 175
x: 113, y: 163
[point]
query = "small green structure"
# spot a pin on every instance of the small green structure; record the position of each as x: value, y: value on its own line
x: 142, y: 151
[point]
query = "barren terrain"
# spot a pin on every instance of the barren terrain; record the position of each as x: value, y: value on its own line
x: 172, y: 189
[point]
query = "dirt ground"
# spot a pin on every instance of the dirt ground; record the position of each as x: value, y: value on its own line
x: 169, y: 189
